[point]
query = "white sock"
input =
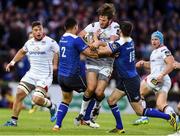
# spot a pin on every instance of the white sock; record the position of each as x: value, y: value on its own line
x: 143, y: 103
x: 47, y: 103
x: 169, y: 110
x: 84, y: 106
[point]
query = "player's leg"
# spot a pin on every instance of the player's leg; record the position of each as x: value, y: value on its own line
x: 67, y: 85
x: 103, y: 79
x: 132, y: 90
x: 63, y: 108
x: 39, y: 98
x: 144, y: 90
x: 91, y: 79
x: 23, y: 90
x: 112, y: 101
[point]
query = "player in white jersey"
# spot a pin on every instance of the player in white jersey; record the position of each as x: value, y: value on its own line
x: 158, y: 80
x: 41, y: 50
x: 98, y: 70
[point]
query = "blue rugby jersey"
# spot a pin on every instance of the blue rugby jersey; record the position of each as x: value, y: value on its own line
x: 69, y: 61
x: 125, y: 62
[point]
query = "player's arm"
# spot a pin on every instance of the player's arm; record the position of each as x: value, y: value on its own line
x: 169, y: 67
x: 19, y: 55
x: 143, y: 64
x: 82, y: 33
x: 90, y: 53
x: 169, y: 60
x: 55, y: 61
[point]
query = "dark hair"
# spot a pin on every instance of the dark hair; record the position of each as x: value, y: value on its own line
x: 36, y: 23
x: 70, y: 23
x: 126, y: 28
x: 107, y: 9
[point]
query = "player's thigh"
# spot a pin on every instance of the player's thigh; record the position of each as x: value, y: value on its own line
x: 115, y: 96
x: 91, y: 78
x: 27, y: 84
x: 161, y: 101
x: 101, y: 86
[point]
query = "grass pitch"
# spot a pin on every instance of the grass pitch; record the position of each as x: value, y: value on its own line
x: 38, y: 123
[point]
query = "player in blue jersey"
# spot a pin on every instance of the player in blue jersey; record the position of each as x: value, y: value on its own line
x: 128, y: 82
x: 69, y: 73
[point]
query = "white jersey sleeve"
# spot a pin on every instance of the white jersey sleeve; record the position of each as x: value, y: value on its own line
x: 114, y: 28
x: 25, y: 47
x: 55, y: 46
x: 165, y: 52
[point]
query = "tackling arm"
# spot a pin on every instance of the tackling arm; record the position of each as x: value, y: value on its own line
x: 144, y: 64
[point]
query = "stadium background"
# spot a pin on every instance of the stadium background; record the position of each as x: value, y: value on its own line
x: 147, y: 16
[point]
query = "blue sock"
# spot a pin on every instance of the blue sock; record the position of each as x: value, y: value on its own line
x: 155, y: 113
x: 89, y: 109
x: 116, y: 113
x: 62, y: 110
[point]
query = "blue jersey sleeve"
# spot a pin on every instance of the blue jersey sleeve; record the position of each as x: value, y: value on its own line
x: 80, y: 44
x: 114, y: 46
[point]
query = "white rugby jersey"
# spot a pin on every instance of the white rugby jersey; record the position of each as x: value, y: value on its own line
x: 157, y: 63
x: 106, y: 33
x: 40, y: 55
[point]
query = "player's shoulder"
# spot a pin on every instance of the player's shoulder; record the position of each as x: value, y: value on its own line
x: 49, y: 39
x: 93, y: 25
x: 30, y: 41
x: 122, y: 40
x: 163, y: 49
x: 115, y: 25
x: 70, y: 35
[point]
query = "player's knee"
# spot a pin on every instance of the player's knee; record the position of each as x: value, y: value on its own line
x: 37, y: 97
x: 99, y: 93
x: 67, y: 99
x: 178, y: 106
x: 111, y: 101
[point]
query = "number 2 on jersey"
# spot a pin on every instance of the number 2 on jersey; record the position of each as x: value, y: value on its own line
x: 63, y: 49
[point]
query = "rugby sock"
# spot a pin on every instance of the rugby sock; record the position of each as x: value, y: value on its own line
x: 116, y: 113
x: 84, y: 105
x: 62, y: 110
x: 89, y: 109
x: 14, y: 119
x: 155, y: 113
x: 47, y: 103
x: 168, y: 110
x: 143, y: 103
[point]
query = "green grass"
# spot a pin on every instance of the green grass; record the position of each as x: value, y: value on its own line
x: 38, y: 123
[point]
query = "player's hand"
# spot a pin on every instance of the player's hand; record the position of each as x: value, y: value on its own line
x: 140, y: 64
x: 160, y: 78
x: 175, y: 65
x: 8, y: 67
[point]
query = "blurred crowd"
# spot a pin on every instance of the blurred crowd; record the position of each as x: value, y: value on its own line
x: 147, y: 16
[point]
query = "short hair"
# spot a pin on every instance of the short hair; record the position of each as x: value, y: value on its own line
x: 36, y: 23
x: 107, y: 9
x: 70, y: 23
x: 126, y: 28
